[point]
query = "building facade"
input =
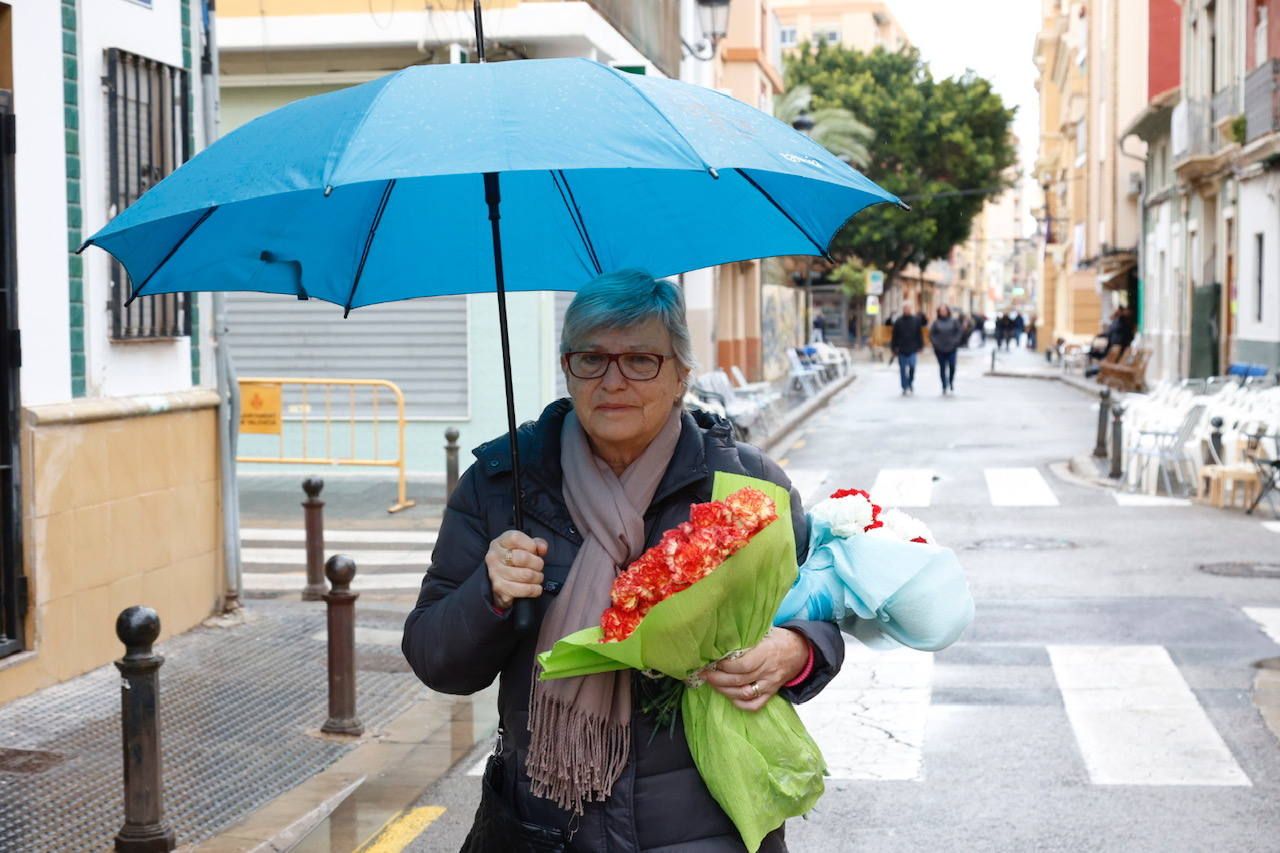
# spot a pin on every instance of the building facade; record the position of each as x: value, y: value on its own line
x: 857, y: 25
x: 1069, y: 302
x: 1255, y: 288
x: 111, y: 457
x: 1163, y: 297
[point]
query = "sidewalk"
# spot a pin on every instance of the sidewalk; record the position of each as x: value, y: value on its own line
x: 241, y: 705
x: 1025, y: 364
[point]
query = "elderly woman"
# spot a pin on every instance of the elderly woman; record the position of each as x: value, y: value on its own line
x: 604, y: 473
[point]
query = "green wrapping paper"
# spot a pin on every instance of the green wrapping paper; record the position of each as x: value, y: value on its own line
x: 761, y: 767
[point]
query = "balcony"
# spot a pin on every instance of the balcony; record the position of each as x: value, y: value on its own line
x: 1261, y: 104
x: 1189, y: 130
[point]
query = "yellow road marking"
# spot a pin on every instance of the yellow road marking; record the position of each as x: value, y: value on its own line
x: 798, y: 444
x: 401, y: 831
x: 783, y: 462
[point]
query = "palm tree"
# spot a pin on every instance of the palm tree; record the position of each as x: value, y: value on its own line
x: 834, y: 128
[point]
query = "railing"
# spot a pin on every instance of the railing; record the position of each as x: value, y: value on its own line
x: 1262, y: 100
x: 1223, y: 106
x: 265, y: 414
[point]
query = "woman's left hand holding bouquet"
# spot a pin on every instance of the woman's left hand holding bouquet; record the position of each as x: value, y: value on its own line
x: 751, y: 679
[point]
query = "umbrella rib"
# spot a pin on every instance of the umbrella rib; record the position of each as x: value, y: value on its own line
x: 368, y: 244
x: 625, y: 77
x: 558, y: 177
x: 135, y: 292
x: 821, y: 251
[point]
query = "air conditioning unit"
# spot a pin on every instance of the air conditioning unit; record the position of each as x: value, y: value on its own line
x: 1135, y: 183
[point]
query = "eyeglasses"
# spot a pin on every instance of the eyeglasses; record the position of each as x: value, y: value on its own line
x: 636, y: 366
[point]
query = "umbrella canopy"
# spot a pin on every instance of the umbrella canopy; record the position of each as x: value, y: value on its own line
x: 375, y: 193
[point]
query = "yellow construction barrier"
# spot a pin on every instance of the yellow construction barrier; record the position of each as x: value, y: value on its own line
x: 261, y: 413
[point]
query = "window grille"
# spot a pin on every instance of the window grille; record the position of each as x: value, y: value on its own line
x: 148, y: 132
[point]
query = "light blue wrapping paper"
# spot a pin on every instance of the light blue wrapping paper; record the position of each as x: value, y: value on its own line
x: 881, y: 591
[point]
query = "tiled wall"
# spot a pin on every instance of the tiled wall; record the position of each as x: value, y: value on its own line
x: 117, y: 511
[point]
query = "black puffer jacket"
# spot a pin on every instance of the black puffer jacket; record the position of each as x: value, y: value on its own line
x: 456, y: 643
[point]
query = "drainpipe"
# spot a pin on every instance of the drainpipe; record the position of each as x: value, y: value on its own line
x: 228, y: 387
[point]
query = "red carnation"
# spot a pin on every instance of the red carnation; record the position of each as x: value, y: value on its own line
x: 685, y: 555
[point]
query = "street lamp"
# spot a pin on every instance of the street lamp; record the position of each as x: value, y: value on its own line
x: 713, y: 20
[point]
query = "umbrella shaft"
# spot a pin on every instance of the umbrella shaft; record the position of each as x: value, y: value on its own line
x: 493, y: 199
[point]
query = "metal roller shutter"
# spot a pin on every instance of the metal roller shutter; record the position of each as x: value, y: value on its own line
x: 563, y: 298
x: 419, y: 344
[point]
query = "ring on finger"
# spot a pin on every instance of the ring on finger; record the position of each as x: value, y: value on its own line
x: 506, y: 556
x: 754, y: 687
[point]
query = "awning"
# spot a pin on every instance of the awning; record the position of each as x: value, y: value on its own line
x: 1114, y: 272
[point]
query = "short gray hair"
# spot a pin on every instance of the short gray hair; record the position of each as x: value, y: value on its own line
x: 619, y: 300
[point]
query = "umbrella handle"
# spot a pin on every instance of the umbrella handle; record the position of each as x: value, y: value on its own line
x: 523, y: 615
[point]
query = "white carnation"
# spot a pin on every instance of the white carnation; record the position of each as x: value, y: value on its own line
x: 902, y: 527
x: 847, y: 516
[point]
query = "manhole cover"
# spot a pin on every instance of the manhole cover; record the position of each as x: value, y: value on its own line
x: 27, y: 761
x: 1238, y: 569
x: 1021, y: 543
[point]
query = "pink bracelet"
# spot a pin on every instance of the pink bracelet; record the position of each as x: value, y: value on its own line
x: 804, y: 673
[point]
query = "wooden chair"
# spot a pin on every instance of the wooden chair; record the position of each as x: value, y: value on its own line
x: 1129, y: 372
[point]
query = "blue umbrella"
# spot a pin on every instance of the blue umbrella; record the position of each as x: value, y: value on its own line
x: 448, y: 179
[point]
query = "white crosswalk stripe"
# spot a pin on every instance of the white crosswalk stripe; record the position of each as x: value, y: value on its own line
x: 1136, y: 721
x: 275, y: 559
x: 1268, y: 618
x: 296, y: 535
x: 903, y: 487
x: 1018, y: 487
x: 809, y: 482
x: 295, y: 581
x: 869, y: 721
x: 1130, y: 499
x: 363, y: 557
x: 1273, y: 526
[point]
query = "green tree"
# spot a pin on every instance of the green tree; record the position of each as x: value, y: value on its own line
x: 834, y: 128
x: 944, y: 145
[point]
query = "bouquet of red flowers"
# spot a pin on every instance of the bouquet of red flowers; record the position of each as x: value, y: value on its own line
x: 707, y: 590
x: 686, y: 554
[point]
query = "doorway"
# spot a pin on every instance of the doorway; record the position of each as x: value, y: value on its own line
x: 13, y: 598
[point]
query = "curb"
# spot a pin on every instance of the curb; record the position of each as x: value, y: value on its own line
x: 800, y: 415
x: 1079, y: 384
x: 1085, y: 470
x: 371, y: 784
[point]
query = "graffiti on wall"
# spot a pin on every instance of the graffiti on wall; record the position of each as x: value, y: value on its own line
x: 780, y: 321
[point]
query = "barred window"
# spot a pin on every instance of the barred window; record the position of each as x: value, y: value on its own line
x: 148, y: 132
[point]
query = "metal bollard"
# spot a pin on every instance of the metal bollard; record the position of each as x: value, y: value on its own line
x: 144, y: 827
x: 1117, y: 442
x: 1215, y: 440
x: 341, y: 570
x: 993, y: 358
x: 450, y: 461
x: 313, y: 519
x: 1104, y: 409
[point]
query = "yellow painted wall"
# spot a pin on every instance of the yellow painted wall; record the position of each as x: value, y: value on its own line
x: 116, y: 512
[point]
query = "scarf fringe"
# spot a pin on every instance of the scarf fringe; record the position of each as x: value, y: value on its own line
x: 573, y: 757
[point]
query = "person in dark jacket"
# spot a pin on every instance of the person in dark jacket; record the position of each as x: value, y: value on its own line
x: 906, y: 343
x: 945, y: 334
x: 603, y: 475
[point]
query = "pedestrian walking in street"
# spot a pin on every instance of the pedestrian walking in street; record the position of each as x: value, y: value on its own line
x: 946, y: 334
x: 607, y: 472
x: 906, y: 343
x: 819, y: 328
x: 1019, y: 327
x: 1031, y: 332
x: 1004, y: 330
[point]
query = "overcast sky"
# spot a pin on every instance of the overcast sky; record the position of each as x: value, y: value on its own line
x: 995, y: 38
